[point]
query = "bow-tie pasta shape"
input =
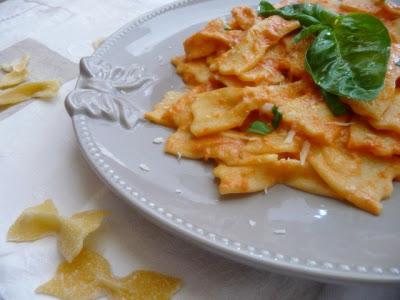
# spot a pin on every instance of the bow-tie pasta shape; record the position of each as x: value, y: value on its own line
x: 89, y: 276
x: 42, y: 220
x: 14, y: 87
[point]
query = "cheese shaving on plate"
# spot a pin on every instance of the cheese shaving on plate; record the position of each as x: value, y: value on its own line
x: 158, y: 140
x: 290, y: 136
x: 305, y: 150
x: 98, y: 42
x: 280, y: 231
x: 267, y: 107
x: 144, y: 167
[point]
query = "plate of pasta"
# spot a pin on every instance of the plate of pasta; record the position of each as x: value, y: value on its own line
x: 267, y: 132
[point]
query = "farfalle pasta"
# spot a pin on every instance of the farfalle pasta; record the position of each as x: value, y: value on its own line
x: 269, y: 104
x: 89, y: 277
x: 85, y: 274
x: 43, y: 220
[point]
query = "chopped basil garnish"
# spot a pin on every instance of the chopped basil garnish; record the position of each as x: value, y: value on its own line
x: 277, y: 118
x: 259, y: 127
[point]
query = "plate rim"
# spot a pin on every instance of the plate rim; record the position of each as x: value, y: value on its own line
x: 333, y: 272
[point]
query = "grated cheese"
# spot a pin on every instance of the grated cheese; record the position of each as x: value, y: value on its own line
x: 16, y: 66
x: 144, y: 167
x: 290, y: 136
x: 280, y: 231
x: 158, y: 140
x: 305, y: 150
x: 266, y: 191
x: 267, y: 107
x: 178, y: 191
x: 179, y: 156
x: 98, y: 42
x: 252, y: 222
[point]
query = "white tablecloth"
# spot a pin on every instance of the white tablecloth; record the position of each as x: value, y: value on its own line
x: 39, y: 158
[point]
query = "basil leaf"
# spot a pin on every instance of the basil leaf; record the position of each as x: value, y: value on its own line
x: 306, y: 32
x: 350, y: 54
x: 277, y: 118
x: 259, y: 127
x: 350, y: 60
x: 307, y: 14
x: 337, y: 107
x: 265, y: 7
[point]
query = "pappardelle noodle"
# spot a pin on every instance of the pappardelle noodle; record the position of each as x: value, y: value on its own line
x: 302, y: 93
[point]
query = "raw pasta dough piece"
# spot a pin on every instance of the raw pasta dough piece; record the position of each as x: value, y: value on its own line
x: 74, y: 230
x: 42, y: 220
x: 35, y: 223
x: 25, y: 91
x: 89, y: 276
x: 16, y: 73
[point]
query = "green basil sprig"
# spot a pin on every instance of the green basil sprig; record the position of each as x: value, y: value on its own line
x: 259, y: 127
x: 307, y: 14
x: 262, y: 128
x: 277, y: 117
x: 350, y: 53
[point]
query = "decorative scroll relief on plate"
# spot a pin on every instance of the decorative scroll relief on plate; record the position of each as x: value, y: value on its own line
x: 104, y: 91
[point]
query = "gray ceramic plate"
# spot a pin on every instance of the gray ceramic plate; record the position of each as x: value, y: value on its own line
x: 289, y: 231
